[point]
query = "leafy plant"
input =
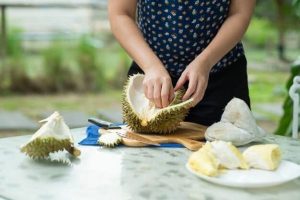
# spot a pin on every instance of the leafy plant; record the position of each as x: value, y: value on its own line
x: 91, y: 72
x: 285, y: 124
x: 58, y: 76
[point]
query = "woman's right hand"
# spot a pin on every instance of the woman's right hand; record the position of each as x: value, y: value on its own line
x: 158, y: 87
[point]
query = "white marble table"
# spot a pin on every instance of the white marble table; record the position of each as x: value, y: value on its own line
x: 123, y: 173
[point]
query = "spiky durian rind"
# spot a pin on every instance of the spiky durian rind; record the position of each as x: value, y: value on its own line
x: 40, y: 148
x: 109, y: 140
x: 164, y: 123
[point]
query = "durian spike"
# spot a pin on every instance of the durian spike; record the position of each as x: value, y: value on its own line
x: 74, y: 151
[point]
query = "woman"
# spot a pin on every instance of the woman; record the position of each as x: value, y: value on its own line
x: 186, y: 43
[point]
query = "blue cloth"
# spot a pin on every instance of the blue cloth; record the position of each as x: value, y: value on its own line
x: 93, y: 135
x: 179, y: 30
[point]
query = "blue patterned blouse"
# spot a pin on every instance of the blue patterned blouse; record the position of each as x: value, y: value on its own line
x: 179, y: 30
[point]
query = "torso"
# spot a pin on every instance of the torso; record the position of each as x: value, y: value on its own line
x: 179, y: 30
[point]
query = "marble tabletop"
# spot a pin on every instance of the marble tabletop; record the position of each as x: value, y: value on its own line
x: 123, y: 173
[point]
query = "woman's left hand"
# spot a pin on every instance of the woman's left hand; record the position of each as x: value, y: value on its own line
x: 197, y: 74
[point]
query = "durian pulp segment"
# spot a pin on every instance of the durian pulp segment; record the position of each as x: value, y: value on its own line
x: 204, y: 162
x: 142, y: 106
x: 267, y: 156
x: 228, y: 155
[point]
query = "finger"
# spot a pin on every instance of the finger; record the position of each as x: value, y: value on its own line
x: 191, y: 89
x: 181, y: 81
x: 198, y: 95
x: 157, y: 94
x: 150, y: 94
x: 165, y: 89
x: 145, y: 88
x: 171, y: 94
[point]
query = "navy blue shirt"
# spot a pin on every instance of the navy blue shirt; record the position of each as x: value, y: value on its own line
x: 179, y: 30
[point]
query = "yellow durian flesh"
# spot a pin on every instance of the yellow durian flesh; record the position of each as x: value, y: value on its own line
x: 264, y: 156
x: 228, y: 155
x: 142, y: 116
x: 204, y: 162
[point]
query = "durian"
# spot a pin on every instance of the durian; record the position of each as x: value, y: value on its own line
x: 215, y: 156
x: 142, y: 116
x: 204, y: 162
x: 264, y: 156
x: 53, y: 136
x: 237, y: 125
x: 228, y: 155
x: 109, y: 139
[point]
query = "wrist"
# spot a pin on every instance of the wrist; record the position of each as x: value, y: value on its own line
x: 204, y: 62
x: 155, y: 66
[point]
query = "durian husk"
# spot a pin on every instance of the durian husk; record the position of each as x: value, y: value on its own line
x: 53, y: 136
x: 41, y: 147
x: 109, y: 139
x: 165, y: 122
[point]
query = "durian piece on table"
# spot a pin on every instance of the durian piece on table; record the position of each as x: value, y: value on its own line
x: 109, y: 138
x: 263, y: 156
x: 237, y: 125
x: 142, y: 116
x: 53, y: 136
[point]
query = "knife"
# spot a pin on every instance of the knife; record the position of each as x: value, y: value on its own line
x: 103, y: 124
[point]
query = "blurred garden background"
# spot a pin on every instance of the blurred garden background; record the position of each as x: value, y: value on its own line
x: 60, y: 55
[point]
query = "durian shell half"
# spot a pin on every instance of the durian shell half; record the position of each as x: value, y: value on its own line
x: 41, y: 147
x: 165, y: 121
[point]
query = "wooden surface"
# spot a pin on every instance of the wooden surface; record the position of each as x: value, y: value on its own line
x: 188, y: 134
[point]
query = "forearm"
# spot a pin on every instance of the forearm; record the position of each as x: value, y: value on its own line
x: 129, y: 36
x: 230, y: 33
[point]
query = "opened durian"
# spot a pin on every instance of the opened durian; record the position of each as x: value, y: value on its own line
x: 142, y: 116
x: 263, y: 156
x: 53, y: 136
x: 237, y: 125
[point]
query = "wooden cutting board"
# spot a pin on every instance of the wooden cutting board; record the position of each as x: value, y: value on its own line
x: 188, y: 134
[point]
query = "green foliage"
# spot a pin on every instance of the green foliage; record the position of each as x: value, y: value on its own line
x: 261, y: 33
x: 285, y: 124
x: 58, y: 75
x: 296, y: 4
x: 91, y: 72
x: 14, y: 43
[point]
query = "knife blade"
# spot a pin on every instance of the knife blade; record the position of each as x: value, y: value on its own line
x: 103, y: 124
x: 137, y: 137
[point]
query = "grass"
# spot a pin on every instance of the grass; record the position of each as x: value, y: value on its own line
x: 267, y: 87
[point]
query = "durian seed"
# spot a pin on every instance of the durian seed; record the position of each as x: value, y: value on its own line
x: 144, y: 122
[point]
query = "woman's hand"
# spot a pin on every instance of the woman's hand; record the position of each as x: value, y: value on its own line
x: 158, y: 86
x: 196, y: 73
